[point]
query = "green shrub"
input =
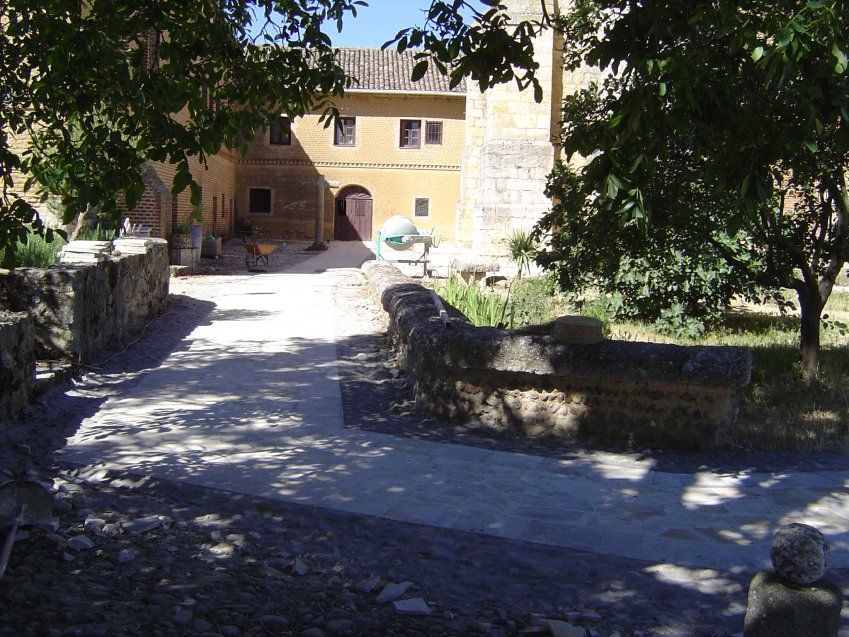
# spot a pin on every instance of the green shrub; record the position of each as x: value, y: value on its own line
x: 523, y: 250
x: 98, y: 233
x: 36, y: 251
x: 481, y: 308
x: 535, y: 300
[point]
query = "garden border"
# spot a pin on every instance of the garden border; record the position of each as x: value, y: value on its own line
x: 613, y: 392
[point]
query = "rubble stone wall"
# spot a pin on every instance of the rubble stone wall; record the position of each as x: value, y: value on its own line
x: 80, y: 310
x: 17, y: 362
x: 614, y: 392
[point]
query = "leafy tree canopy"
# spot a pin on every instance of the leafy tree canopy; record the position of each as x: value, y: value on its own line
x: 717, y: 146
x: 97, y: 87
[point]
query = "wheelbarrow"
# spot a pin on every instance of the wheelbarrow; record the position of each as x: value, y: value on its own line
x: 257, y: 253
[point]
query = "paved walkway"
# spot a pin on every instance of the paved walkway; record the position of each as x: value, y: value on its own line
x: 250, y: 403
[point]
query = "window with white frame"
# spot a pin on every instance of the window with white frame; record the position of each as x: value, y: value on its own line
x: 280, y: 133
x: 411, y: 133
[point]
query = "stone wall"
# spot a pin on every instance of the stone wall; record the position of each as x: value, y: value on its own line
x: 81, y: 310
x: 614, y: 392
x: 17, y: 362
x: 511, y: 142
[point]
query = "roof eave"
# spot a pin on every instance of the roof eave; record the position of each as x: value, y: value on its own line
x: 375, y: 91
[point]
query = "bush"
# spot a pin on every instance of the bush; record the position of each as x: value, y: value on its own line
x: 481, y: 308
x: 98, y: 233
x: 36, y: 251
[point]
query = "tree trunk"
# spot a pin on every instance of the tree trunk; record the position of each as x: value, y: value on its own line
x: 78, y: 226
x: 811, y: 306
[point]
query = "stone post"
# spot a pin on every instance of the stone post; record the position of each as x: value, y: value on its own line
x: 795, y: 600
x: 578, y: 330
x: 321, y: 185
x: 17, y: 362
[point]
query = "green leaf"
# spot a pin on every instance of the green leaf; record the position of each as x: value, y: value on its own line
x: 842, y: 60
x: 419, y: 71
x: 758, y: 53
x: 182, y: 178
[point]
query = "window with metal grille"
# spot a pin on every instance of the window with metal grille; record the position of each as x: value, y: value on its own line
x: 259, y: 201
x: 433, y: 133
x: 411, y: 133
x: 346, y: 132
x: 422, y: 207
x: 281, y: 132
x: 154, y: 40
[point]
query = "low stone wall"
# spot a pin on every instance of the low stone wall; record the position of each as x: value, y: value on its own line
x: 17, y: 362
x: 81, y: 310
x: 641, y: 394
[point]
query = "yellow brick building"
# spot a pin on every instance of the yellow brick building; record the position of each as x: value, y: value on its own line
x: 397, y: 151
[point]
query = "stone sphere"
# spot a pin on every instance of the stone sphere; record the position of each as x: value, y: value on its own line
x: 799, y: 554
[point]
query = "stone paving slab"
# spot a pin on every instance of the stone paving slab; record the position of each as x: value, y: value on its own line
x: 250, y: 403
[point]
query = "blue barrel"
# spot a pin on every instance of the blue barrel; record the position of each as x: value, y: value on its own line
x: 196, y: 233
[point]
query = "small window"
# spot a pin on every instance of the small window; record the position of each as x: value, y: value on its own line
x: 433, y: 133
x: 260, y: 201
x: 154, y: 40
x: 411, y: 133
x: 281, y: 132
x: 422, y: 207
x: 345, y: 132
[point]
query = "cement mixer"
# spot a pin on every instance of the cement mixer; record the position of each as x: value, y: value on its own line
x: 400, y: 234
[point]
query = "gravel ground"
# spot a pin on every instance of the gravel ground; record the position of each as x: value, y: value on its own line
x: 223, y: 564
x: 232, y: 259
x: 217, y: 563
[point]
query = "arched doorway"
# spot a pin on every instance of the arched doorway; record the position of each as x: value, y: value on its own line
x: 354, y: 210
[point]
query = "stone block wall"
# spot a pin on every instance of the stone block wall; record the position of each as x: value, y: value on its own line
x: 17, y: 362
x: 80, y: 310
x: 614, y: 392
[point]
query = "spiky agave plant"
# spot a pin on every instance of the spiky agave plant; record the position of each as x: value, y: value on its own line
x: 523, y: 250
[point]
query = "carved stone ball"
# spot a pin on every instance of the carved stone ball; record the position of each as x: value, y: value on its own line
x: 799, y: 554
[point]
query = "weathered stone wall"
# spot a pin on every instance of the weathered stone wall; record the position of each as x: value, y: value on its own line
x: 80, y: 310
x: 17, y: 362
x: 642, y: 394
x: 511, y: 142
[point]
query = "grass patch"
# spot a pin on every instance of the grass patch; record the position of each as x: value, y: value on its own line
x: 779, y: 412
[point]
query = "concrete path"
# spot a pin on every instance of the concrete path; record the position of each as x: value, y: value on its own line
x: 250, y: 403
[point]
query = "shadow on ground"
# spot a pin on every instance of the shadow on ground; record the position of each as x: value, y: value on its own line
x: 253, y: 439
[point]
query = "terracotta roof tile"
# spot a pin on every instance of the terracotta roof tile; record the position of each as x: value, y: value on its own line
x: 388, y: 70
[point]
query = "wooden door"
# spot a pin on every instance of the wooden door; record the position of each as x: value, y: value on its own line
x: 354, y: 214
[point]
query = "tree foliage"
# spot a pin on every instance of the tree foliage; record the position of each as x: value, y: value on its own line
x: 718, y: 145
x: 99, y: 87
